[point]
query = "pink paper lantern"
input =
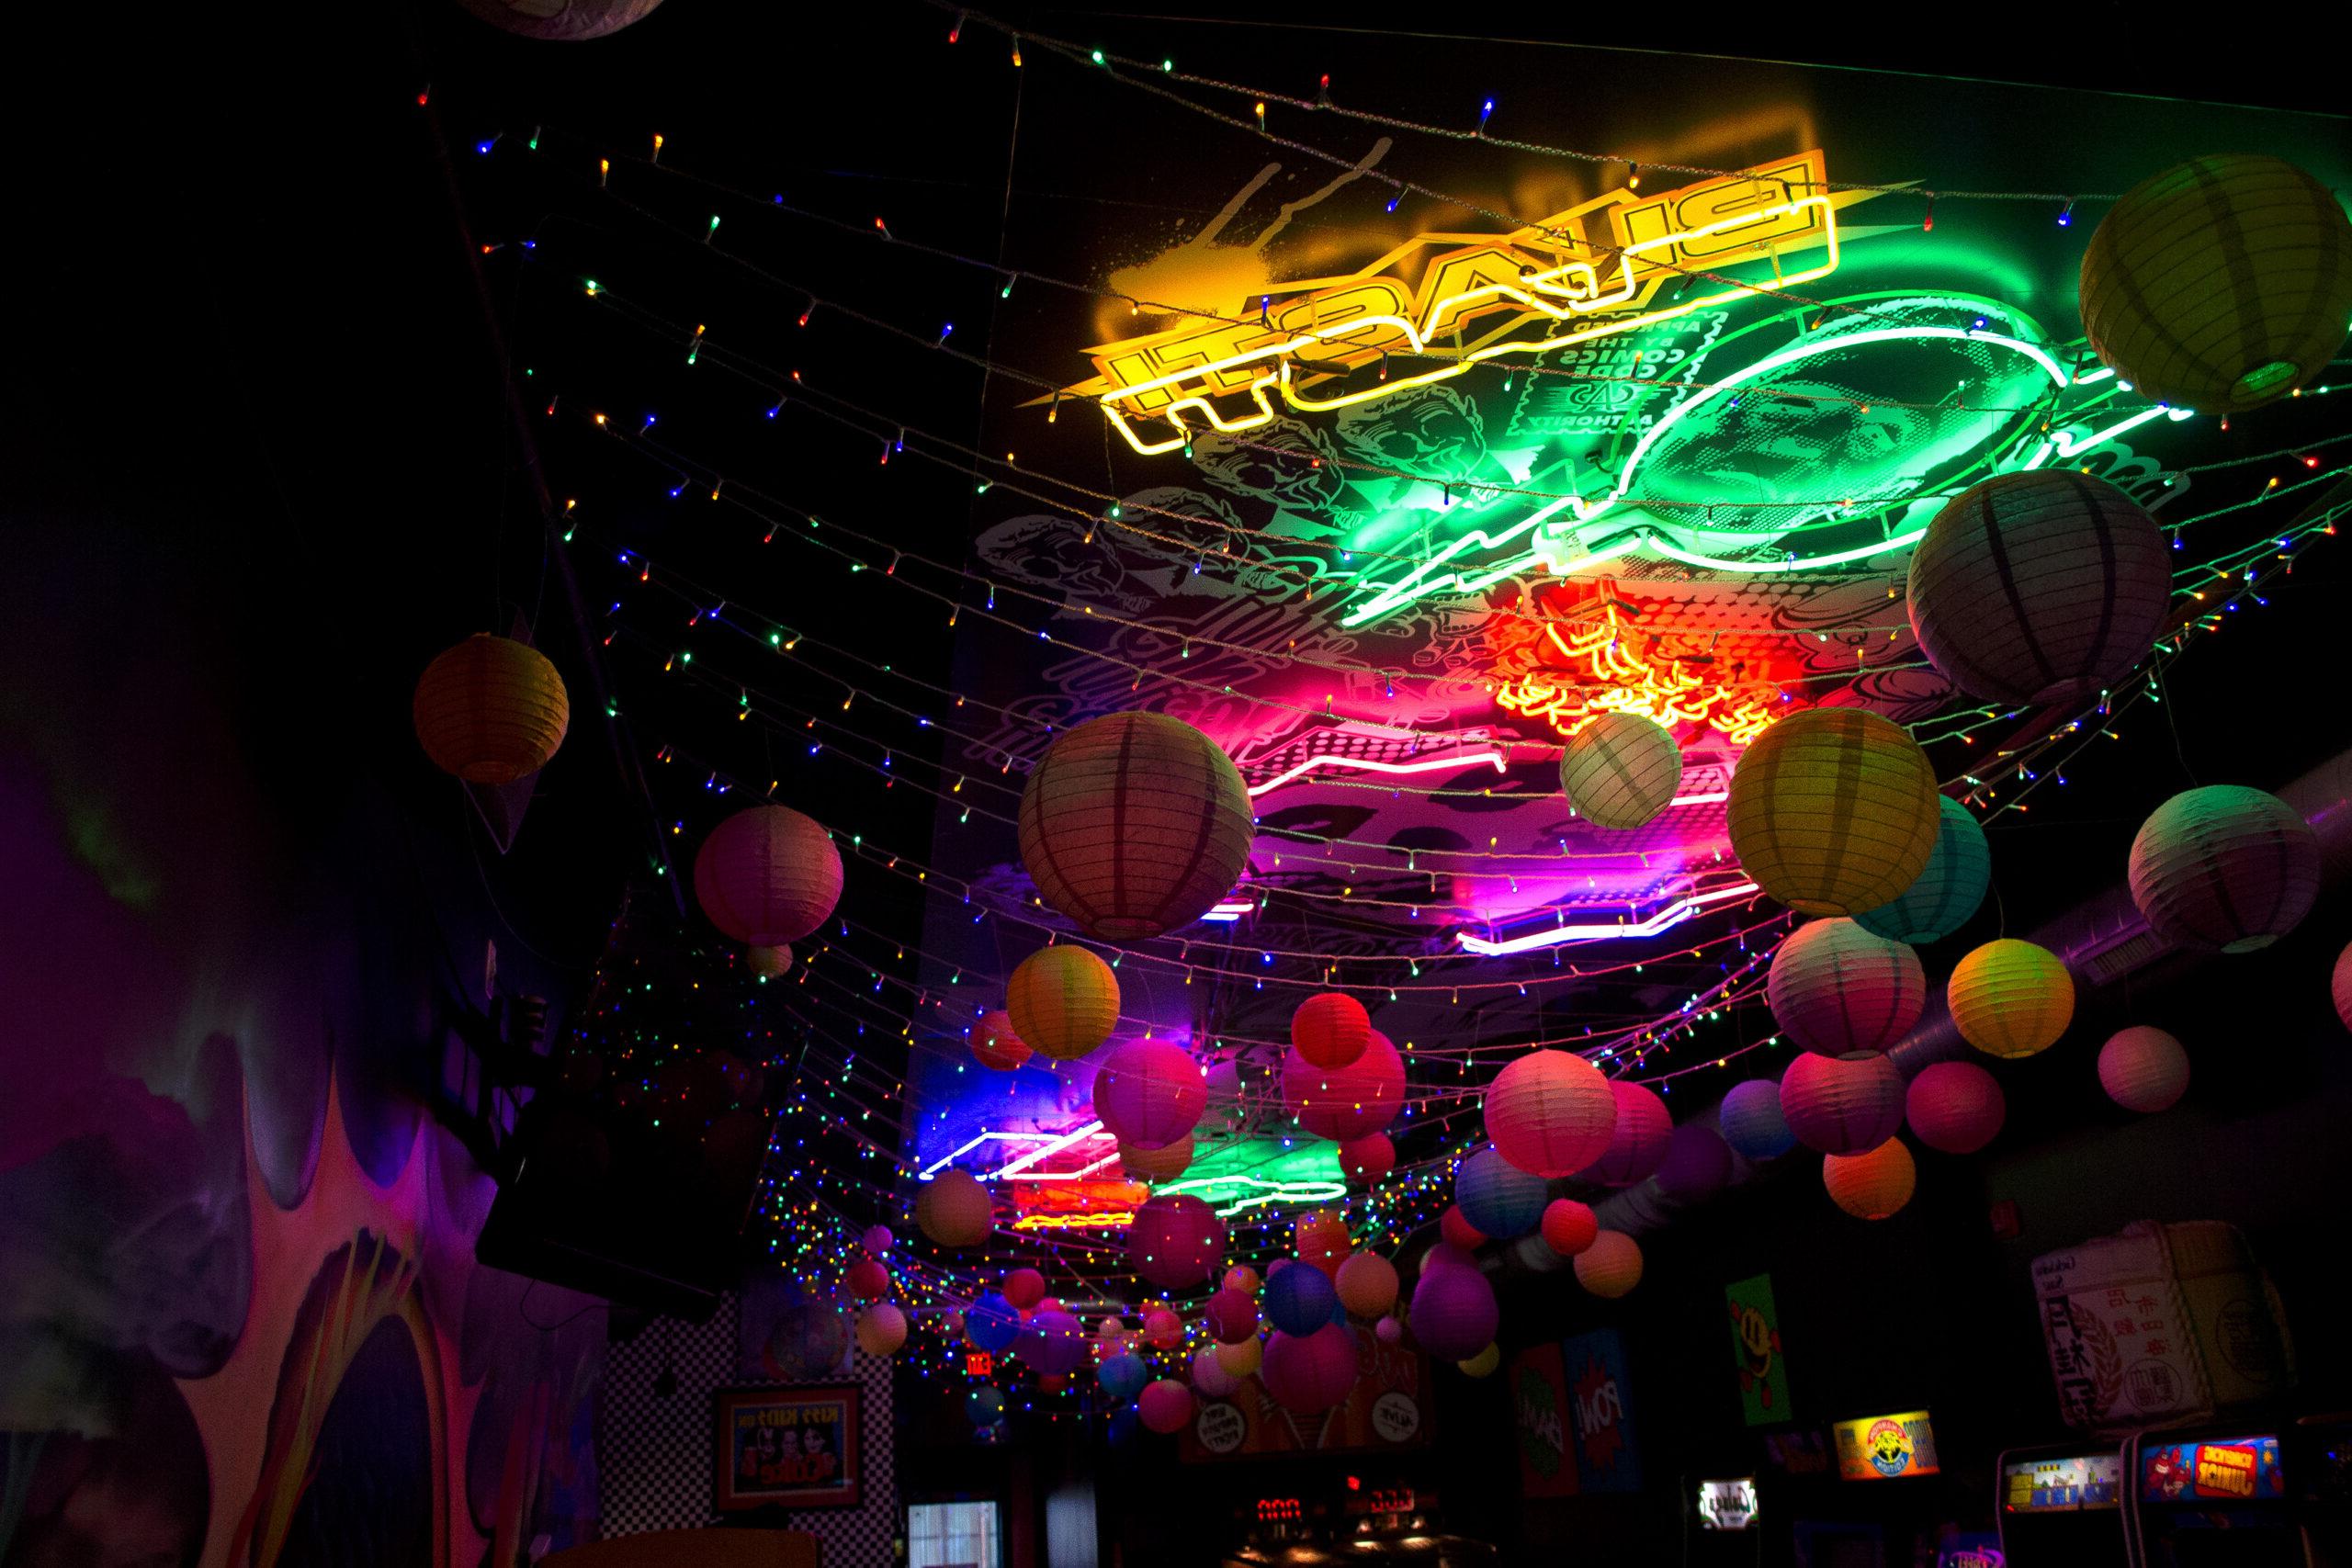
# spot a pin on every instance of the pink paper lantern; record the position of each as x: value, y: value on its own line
x: 1165, y: 1406
x: 1569, y: 1226
x: 1842, y: 1107
x: 1836, y: 988
x: 1209, y: 1376
x: 1330, y: 1029
x: 1366, y: 1159
x: 869, y: 1281
x: 1308, y: 1374
x: 767, y: 874
x: 1638, y: 1142
x: 1389, y: 1330
x: 1025, y: 1288
x: 1454, y: 1314
x: 877, y: 1240
x: 1175, y: 1242
x: 1162, y: 1329
x: 1550, y: 1114
x: 1231, y: 1316
x: 2143, y: 1069
x: 1150, y: 1093
x: 2340, y: 985
x: 1956, y: 1107
x: 1350, y: 1102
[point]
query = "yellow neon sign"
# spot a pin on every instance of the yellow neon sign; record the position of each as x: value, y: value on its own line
x: 1592, y: 270
x: 1607, y: 674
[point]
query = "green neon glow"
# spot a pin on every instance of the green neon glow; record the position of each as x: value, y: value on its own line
x: 1254, y: 1193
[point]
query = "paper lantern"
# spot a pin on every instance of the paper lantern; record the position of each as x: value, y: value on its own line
x: 1330, y: 1029
x: 1947, y: 894
x: 767, y: 874
x: 1611, y: 1266
x: 1956, y: 1107
x: 1388, y: 1331
x: 2340, y: 985
x: 1366, y: 1159
x: 1482, y: 1363
x: 1175, y: 1241
x: 1841, y: 1106
x: 1569, y: 1226
x: 2010, y: 998
x: 1638, y: 1140
x: 1367, y: 1284
x: 769, y: 962
x: 2143, y: 1069
x: 1063, y: 1001
x: 1025, y: 1288
x: 1309, y: 1373
x: 1454, y: 1314
x: 562, y: 21
x: 992, y: 1322
x: 1242, y: 1356
x: 1165, y: 1406
x: 1242, y: 1277
x: 1133, y: 824
x: 1550, y: 1114
x: 1150, y: 1093
x: 1122, y: 1377
x: 955, y: 1210
x: 995, y: 1045
x: 2224, y: 867
x: 1457, y: 1230
x: 1751, y: 1120
x: 1833, y: 810
x: 1054, y: 1343
x: 1873, y: 1184
x: 1350, y: 1102
x: 881, y: 1330
x: 1209, y: 1376
x: 1162, y: 1329
x: 1496, y: 1197
x: 868, y: 1280
x: 2043, y: 586
x: 1621, y: 770
x: 1697, y: 1163
x: 1299, y: 1300
x: 1834, y: 987
x: 1449, y: 1255
x: 1322, y: 1236
x: 1165, y: 1163
x: 984, y: 1406
x: 808, y: 1340
x: 490, y: 710
x: 1230, y: 1316
x: 2222, y: 283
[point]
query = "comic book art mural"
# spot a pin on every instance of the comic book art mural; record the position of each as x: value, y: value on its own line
x: 1608, y: 1458
x: 1539, y: 1404
x: 1756, y: 1345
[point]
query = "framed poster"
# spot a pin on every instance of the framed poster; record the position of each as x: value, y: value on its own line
x: 1593, y: 1367
x: 1756, y: 1345
x: 788, y: 1447
x: 1539, y: 1398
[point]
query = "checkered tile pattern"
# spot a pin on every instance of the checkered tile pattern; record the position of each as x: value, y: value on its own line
x: 654, y: 1455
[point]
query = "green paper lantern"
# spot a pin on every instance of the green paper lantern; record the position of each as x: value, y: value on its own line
x: 1948, y: 893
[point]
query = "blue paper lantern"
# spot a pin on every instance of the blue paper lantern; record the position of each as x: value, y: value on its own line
x: 1958, y: 870
x: 1752, y: 1122
x: 1497, y: 1197
x: 1122, y: 1377
x: 1299, y: 1299
x: 991, y: 1323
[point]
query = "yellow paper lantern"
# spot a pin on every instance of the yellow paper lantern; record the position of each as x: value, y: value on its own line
x: 1164, y: 1164
x: 2011, y: 997
x: 1483, y: 1362
x: 768, y: 959
x: 490, y: 710
x: 1833, y: 811
x: 1871, y: 1185
x: 2219, y: 285
x: 1241, y: 1359
x: 1621, y: 770
x: 1064, y: 1001
x: 1611, y: 1266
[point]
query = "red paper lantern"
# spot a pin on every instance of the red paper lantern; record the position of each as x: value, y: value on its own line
x: 1350, y: 1102
x: 869, y: 1281
x: 1025, y: 1289
x: 1148, y: 1093
x: 1454, y: 1314
x: 995, y: 1045
x: 1231, y: 1316
x: 1834, y: 987
x: 490, y: 710
x: 767, y: 874
x: 1323, y: 1240
x: 1956, y: 1107
x: 1330, y: 1029
x: 1165, y: 1406
x: 1873, y: 1184
x: 1133, y: 824
x: 1841, y: 1106
x: 1308, y: 1374
x: 1569, y: 1226
x: 1175, y: 1241
x: 1550, y: 1114
x: 1366, y: 1159
x: 1456, y: 1227
x: 1638, y: 1140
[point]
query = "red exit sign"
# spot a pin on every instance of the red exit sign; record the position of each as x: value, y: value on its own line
x: 978, y: 1364
x: 1271, y: 1510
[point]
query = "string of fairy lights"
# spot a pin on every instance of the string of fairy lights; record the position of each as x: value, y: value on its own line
x: 705, y: 639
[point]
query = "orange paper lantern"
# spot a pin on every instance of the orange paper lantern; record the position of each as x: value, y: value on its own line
x: 490, y: 710
x: 767, y: 874
x: 1871, y: 1185
x: 1611, y: 1266
x: 2010, y: 998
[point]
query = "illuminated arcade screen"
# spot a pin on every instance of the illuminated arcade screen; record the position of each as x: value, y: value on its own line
x: 2058, y: 1485
x: 1727, y: 1505
x: 2230, y: 1470
x: 1881, y: 1448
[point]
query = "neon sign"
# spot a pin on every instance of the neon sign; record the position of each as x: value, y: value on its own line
x: 1587, y: 271
x: 1607, y: 672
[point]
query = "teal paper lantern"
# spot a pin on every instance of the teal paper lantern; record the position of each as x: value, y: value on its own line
x: 1959, y: 871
